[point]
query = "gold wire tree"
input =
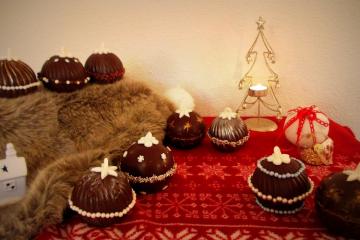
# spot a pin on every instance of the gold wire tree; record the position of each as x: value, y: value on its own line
x: 259, y: 91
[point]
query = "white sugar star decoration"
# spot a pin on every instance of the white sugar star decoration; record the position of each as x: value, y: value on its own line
x: 140, y: 158
x: 353, y: 175
x: 278, y: 158
x: 228, y: 113
x: 183, y: 112
x: 105, y: 169
x: 163, y: 156
x: 148, y: 140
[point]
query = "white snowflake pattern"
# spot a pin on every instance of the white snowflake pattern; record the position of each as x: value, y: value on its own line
x: 140, y: 158
x: 148, y: 140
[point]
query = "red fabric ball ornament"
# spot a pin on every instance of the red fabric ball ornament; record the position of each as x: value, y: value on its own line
x: 306, y: 126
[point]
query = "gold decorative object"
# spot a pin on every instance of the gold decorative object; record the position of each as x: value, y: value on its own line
x: 259, y: 88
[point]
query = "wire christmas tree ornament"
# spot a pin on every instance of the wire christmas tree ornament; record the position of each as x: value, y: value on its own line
x: 258, y: 90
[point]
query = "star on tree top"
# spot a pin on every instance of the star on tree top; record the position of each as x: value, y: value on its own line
x: 148, y: 140
x: 105, y: 169
x: 353, y: 175
x: 260, y: 23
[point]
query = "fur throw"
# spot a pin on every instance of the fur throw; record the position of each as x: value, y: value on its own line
x: 62, y: 135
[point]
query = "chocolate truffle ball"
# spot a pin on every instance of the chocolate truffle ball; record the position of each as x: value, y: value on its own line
x: 16, y: 79
x: 102, y: 196
x: 337, y: 202
x: 227, y: 131
x: 63, y: 74
x: 280, y: 183
x: 104, y: 67
x: 148, y: 165
x: 185, y: 129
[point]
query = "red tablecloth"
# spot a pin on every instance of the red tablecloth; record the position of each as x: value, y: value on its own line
x: 208, y: 198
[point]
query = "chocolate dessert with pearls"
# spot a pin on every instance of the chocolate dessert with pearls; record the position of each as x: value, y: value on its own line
x: 337, y: 202
x: 104, y: 67
x: 102, y: 196
x: 63, y: 73
x: 148, y: 165
x: 280, y: 183
x: 185, y: 128
x: 16, y: 78
x: 227, y: 131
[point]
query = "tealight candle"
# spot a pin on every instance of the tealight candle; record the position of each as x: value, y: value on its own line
x: 258, y: 90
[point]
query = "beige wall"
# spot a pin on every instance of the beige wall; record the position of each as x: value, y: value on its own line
x: 201, y: 45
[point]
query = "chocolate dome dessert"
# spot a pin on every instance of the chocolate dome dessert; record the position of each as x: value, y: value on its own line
x: 63, y: 74
x: 337, y: 202
x: 104, y: 67
x: 16, y: 78
x: 227, y: 131
x: 102, y: 196
x: 148, y: 165
x: 185, y: 129
x: 280, y: 183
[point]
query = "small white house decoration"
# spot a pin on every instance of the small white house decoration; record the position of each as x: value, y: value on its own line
x: 13, y: 173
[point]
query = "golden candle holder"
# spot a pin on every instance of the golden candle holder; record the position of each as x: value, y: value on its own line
x: 260, y: 91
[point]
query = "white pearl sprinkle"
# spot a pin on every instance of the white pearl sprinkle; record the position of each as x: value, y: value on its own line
x: 125, y: 154
x: 67, y: 82
x: 56, y: 81
x: 67, y: 60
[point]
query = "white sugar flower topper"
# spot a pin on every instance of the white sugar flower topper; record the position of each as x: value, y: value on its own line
x: 228, y: 113
x: 353, y: 175
x: 183, y: 112
x: 278, y: 158
x: 105, y: 169
x: 148, y: 140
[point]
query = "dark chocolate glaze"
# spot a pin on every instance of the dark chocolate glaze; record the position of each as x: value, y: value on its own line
x: 337, y: 203
x: 279, y: 187
x: 108, y: 195
x: 65, y: 69
x: 181, y: 136
x: 152, y: 165
x: 232, y: 130
x: 14, y: 73
x: 104, y: 67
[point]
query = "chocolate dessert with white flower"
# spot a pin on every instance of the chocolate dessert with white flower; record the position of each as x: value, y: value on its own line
x: 148, y: 164
x: 102, y: 196
x: 63, y: 73
x: 337, y: 202
x: 280, y: 183
x: 227, y: 131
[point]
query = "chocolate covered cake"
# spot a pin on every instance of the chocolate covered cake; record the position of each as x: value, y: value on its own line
x: 227, y: 131
x: 102, y: 196
x: 63, y: 74
x: 185, y: 129
x: 280, y: 183
x: 104, y: 67
x: 148, y: 165
x: 337, y: 202
x: 16, y: 78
